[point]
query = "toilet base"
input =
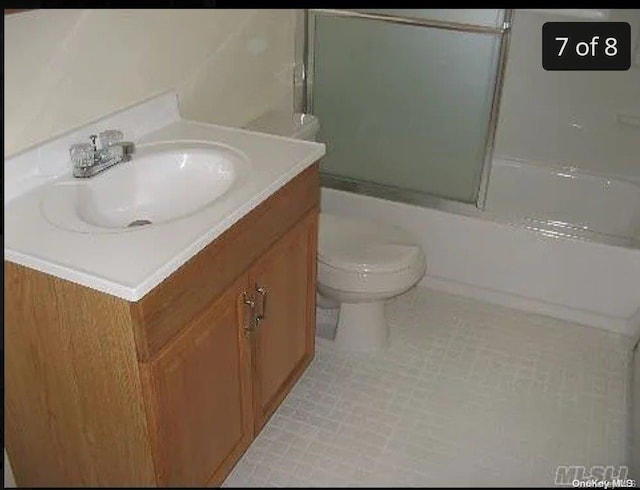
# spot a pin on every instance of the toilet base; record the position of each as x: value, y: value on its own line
x: 326, y: 322
x: 362, y: 327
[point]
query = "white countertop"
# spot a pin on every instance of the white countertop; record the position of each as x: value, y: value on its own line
x: 131, y: 263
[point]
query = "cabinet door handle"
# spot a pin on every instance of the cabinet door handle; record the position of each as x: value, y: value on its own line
x: 263, y: 303
x: 250, y: 326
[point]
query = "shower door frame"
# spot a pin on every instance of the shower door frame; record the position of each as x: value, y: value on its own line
x: 396, y: 193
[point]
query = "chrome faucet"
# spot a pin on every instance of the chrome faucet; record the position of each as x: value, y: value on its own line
x: 88, y: 160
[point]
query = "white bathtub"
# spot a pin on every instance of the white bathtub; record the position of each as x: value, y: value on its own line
x: 576, y: 273
x: 565, y: 202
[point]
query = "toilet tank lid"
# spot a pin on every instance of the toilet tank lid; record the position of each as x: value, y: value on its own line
x: 292, y: 125
x: 366, y: 246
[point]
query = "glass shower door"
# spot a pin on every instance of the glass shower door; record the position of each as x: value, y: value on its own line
x: 403, y: 107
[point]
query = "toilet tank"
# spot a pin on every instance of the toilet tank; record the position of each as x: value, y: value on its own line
x: 296, y: 125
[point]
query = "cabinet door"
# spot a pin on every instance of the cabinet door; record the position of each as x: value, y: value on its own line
x: 283, y: 342
x: 199, y: 389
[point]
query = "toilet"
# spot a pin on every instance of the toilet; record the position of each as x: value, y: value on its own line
x: 361, y: 263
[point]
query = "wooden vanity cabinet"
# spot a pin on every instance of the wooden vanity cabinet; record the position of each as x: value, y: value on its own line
x: 199, y: 370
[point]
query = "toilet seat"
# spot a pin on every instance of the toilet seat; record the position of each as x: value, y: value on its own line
x: 356, y: 287
x: 365, y: 247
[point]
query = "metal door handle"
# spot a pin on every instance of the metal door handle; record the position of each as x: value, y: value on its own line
x: 263, y: 303
x: 250, y: 302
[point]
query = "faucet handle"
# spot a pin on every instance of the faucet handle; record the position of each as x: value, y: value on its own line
x: 110, y: 137
x: 82, y: 154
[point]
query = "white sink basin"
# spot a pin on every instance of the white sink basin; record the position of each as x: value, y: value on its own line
x: 163, y: 182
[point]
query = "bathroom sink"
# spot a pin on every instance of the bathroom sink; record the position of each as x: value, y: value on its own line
x: 163, y: 182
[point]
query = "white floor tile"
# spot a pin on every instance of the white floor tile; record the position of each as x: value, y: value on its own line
x: 467, y: 393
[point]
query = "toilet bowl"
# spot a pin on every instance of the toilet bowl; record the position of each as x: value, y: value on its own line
x: 361, y: 264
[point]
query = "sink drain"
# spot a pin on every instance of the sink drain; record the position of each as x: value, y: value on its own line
x: 139, y: 222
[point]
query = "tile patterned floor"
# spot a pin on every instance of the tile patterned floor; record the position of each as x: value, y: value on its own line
x: 466, y: 394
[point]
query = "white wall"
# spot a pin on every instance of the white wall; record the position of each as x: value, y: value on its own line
x: 64, y: 68
x: 568, y: 117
